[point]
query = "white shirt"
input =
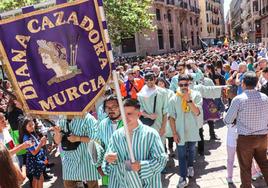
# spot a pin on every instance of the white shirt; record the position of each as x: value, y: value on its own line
x: 234, y: 66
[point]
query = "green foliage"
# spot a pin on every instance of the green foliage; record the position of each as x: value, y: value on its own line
x: 124, y: 17
x: 127, y: 17
x: 6, y: 5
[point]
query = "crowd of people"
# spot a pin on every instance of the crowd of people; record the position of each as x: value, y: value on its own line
x: 167, y: 100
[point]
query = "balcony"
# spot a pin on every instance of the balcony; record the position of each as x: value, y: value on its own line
x: 264, y: 11
x: 194, y: 10
x: 217, y: 1
x: 184, y: 5
x: 171, y: 2
x: 160, y: 1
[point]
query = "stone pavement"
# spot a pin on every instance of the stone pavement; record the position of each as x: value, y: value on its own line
x: 210, y: 170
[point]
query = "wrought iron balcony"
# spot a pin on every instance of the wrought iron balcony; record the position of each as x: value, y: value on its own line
x: 184, y: 5
x: 171, y: 2
x: 160, y: 1
x: 264, y: 11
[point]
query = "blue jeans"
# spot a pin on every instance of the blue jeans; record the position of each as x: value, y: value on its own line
x: 186, y: 157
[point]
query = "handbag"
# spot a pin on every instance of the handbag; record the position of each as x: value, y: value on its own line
x: 149, y: 121
x: 65, y: 143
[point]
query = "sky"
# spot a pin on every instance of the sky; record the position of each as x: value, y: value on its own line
x: 226, y: 7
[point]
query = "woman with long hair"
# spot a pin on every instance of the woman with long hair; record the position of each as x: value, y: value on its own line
x: 35, y: 157
x: 10, y: 175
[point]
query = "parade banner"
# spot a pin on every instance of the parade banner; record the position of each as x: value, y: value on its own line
x: 57, y: 58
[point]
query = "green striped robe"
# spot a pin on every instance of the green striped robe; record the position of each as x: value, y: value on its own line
x: 161, y: 108
x: 76, y: 164
x: 105, y: 131
x: 147, y: 148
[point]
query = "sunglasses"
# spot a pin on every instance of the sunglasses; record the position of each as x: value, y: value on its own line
x: 183, y: 85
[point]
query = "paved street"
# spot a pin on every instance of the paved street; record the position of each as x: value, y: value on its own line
x: 210, y: 171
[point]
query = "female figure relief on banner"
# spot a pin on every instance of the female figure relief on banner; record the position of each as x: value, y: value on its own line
x: 54, y: 57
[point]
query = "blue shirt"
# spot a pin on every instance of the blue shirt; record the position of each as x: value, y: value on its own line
x: 250, y: 110
x: 240, y: 89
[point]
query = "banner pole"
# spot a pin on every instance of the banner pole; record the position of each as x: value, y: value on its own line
x: 120, y: 102
x: 115, y: 79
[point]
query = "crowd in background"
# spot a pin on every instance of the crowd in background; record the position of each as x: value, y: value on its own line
x: 176, y: 94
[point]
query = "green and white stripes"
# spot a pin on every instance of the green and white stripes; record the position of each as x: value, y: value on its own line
x: 148, y: 149
x: 77, y: 165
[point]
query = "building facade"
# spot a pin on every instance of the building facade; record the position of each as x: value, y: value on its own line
x: 228, y: 30
x: 235, y: 12
x: 177, y: 28
x: 251, y: 21
x: 212, y: 25
x: 246, y: 16
x: 263, y: 12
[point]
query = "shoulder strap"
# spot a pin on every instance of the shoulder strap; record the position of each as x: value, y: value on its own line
x: 67, y: 123
x: 154, y: 103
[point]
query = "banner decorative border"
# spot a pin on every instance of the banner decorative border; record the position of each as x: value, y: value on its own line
x: 104, y: 32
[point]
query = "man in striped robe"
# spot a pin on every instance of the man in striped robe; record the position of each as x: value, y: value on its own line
x: 77, y: 164
x: 109, y: 125
x: 148, y: 151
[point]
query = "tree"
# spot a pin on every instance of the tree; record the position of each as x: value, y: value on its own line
x: 6, y: 5
x: 127, y: 17
x: 124, y: 17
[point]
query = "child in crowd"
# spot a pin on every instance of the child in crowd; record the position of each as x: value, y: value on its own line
x: 35, y: 157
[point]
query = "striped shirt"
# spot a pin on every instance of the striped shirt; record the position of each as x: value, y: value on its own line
x: 161, y: 105
x: 105, y: 131
x: 76, y: 164
x: 250, y: 110
x: 148, y: 150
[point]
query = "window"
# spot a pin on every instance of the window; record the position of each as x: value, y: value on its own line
x: 267, y: 29
x: 197, y: 38
x: 169, y: 15
x: 128, y: 45
x: 191, y: 21
x: 192, y: 38
x: 171, y: 39
x: 158, y: 14
x: 255, y: 6
x: 160, y: 39
x: 207, y: 17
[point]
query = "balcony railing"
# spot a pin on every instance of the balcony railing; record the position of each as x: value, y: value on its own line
x: 195, y: 10
x: 161, y: 1
x: 264, y: 11
x: 184, y: 5
x: 217, y: 1
x: 171, y: 2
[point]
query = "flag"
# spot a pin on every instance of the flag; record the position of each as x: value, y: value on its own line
x: 58, y: 59
x: 204, y: 45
